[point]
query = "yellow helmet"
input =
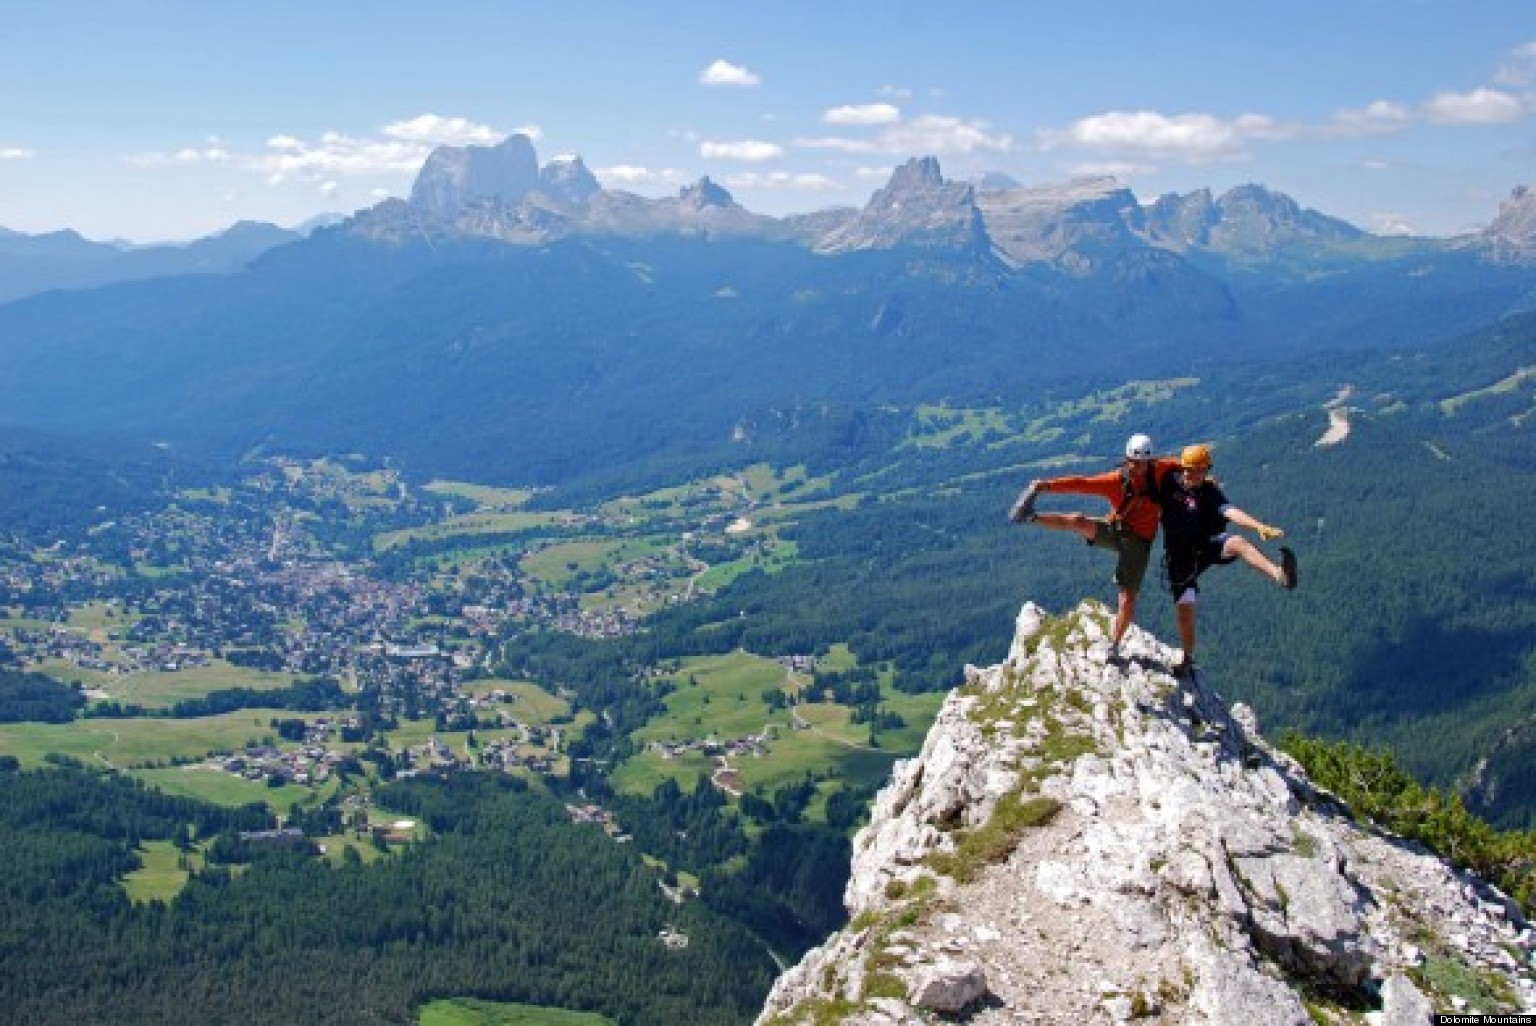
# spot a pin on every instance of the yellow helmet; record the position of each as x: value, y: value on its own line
x: 1196, y: 457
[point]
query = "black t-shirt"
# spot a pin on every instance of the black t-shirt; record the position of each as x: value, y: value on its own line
x: 1191, y: 516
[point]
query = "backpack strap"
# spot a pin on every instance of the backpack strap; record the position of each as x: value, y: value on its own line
x: 1129, y: 492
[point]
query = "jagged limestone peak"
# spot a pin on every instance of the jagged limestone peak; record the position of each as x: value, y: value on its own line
x: 1084, y: 842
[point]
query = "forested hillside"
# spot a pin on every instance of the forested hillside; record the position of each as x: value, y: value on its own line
x: 507, y: 903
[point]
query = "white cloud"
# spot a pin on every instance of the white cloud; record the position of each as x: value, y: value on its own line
x: 329, y: 189
x: 439, y: 130
x: 837, y: 143
x: 937, y: 133
x: 926, y: 134
x: 337, y: 154
x: 1196, y: 138
x: 1520, y: 69
x: 1111, y: 169
x: 213, y: 153
x: 872, y: 174
x: 862, y: 114
x: 1380, y: 118
x: 16, y: 153
x: 724, y: 73
x: 896, y: 92
x: 1391, y: 224
x: 1478, y: 107
x: 806, y: 182
x: 629, y: 174
x: 744, y: 149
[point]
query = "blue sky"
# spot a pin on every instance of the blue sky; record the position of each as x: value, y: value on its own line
x: 171, y: 119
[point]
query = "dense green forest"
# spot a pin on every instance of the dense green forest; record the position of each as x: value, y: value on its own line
x: 508, y: 902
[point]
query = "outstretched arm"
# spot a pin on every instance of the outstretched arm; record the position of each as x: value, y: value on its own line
x: 1242, y: 519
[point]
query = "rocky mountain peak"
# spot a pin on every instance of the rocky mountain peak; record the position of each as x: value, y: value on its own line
x: 1084, y: 842
x: 567, y: 178
x: 917, y: 174
x: 1513, y: 232
x: 917, y: 207
x: 1246, y: 220
x: 455, y: 177
x: 703, y: 194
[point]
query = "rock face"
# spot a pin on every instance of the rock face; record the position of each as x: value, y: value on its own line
x: 1085, y: 842
x: 917, y: 208
x: 455, y: 177
x: 1248, y: 220
x: 1512, y: 235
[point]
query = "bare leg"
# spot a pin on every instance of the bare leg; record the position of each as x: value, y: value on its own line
x: 1249, y: 553
x: 1186, y: 616
x: 1079, y: 524
x: 1125, y: 614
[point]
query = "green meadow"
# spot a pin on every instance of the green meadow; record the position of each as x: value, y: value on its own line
x: 483, y: 496
x: 467, y: 525
x: 160, y: 876
x: 139, y: 741
x: 474, y: 1012
x: 220, y: 788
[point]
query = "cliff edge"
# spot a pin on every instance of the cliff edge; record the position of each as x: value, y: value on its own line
x: 1080, y: 842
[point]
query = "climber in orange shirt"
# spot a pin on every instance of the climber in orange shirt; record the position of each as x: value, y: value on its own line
x: 1129, y: 530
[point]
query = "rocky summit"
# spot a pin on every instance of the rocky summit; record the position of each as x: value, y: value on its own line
x: 1088, y: 842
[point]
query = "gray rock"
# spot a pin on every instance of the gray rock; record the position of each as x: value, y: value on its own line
x: 1403, y: 1003
x: 948, y: 986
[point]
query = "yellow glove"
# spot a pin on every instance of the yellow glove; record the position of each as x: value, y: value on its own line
x: 1269, y: 533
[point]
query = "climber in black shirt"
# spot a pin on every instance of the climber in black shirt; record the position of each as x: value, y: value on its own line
x: 1195, y: 535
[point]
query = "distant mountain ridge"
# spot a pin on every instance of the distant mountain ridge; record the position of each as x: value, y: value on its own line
x: 501, y: 192
x: 64, y: 260
x: 519, y: 320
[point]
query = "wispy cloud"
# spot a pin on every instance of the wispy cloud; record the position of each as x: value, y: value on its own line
x: 862, y: 114
x: 724, y: 73
x: 445, y: 131
x: 399, y: 148
x: 754, y: 150
x: 1195, y: 138
x: 785, y: 180
x: 288, y: 157
x: 1478, y: 107
x: 632, y: 175
x: 1520, y: 69
x: 1380, y: 118
x: 926, y: 134
x: 211, y: 153
x: 16, y: 153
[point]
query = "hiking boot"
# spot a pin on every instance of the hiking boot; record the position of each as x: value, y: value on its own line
x: 1023, y: 510
x: 1288, y: 576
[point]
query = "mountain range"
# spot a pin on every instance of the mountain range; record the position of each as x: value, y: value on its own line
x: 520, y: 322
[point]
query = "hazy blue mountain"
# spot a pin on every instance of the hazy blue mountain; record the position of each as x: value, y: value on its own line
x: 64, y: 260
x: 515, y: 321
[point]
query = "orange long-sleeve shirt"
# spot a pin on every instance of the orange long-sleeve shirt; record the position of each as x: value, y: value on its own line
x: 1143, y: 512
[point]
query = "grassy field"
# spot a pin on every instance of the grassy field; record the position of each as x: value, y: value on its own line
x: 942, y: 426
x: 467, y: 525
x: 130, y: 743
x: 484, y: 496
x: 473, y: 1012
x: 160, y: 878
x: 220, y: 788
x: 158, y: 689
x: 718, y: 696
x: 532, y: 704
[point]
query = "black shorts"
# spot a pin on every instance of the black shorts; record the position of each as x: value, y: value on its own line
x: 1185, y: 563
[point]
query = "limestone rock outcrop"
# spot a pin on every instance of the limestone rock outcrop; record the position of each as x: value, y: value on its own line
x: 1084, y: 842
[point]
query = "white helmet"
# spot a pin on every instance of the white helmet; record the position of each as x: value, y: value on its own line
x: 1138, y: 447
